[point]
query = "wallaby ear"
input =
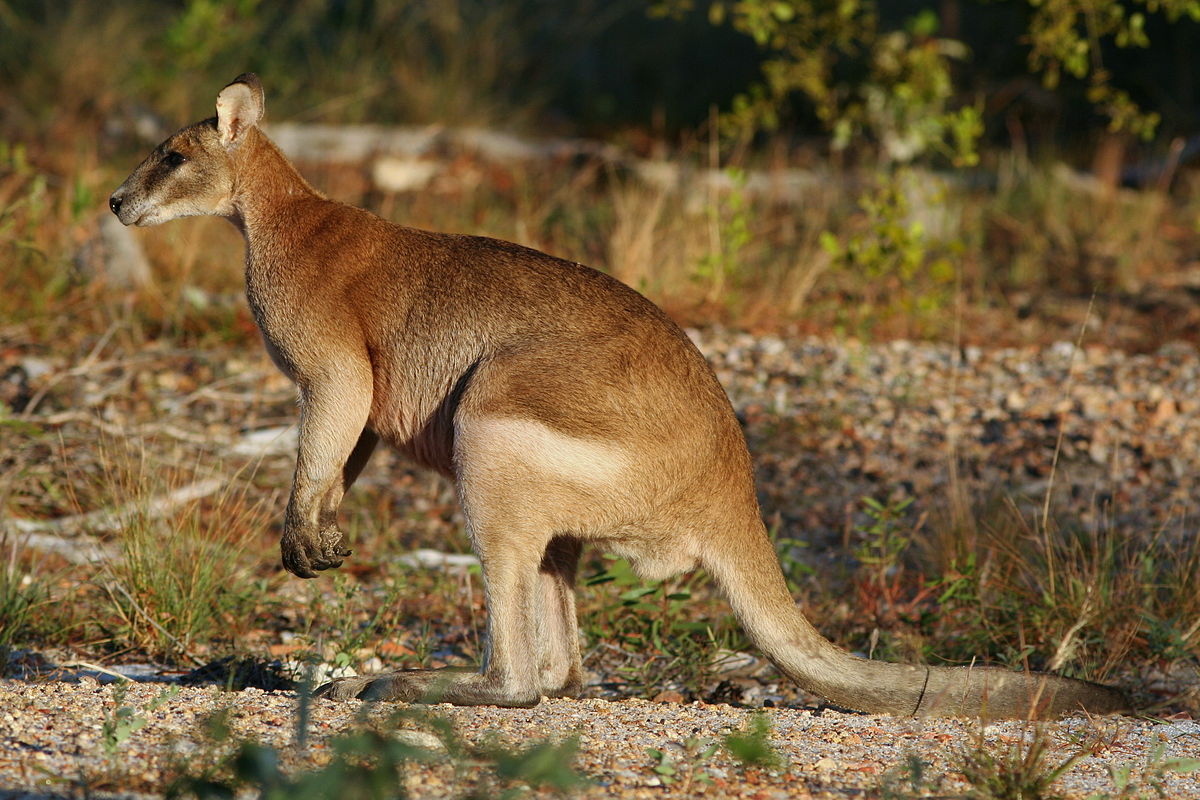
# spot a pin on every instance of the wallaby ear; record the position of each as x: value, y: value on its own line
x: 240, y: 106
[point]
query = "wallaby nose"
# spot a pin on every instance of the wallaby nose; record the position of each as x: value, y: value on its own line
x: 114, y: 204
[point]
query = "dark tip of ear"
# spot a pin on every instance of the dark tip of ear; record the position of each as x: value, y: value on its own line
x: 248, y: 78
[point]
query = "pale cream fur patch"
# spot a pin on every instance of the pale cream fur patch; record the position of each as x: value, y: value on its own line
x: 546, y: 450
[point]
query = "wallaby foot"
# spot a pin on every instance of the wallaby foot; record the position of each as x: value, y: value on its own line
x: 429, y: 686
x: 570, y: 690
x: 305, y: 554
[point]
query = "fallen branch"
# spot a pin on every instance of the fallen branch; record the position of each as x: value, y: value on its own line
x: 108, y: 520
x: 139, y: 432
x: 75, y: 549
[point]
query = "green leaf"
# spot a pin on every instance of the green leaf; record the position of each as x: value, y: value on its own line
x: 925, y: 23
x: 638, y: 593
x: 543, y: 764
x: 753, y: 748
x: 830, y: 244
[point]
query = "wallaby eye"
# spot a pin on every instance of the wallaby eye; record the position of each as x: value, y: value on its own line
x: 173, y: 159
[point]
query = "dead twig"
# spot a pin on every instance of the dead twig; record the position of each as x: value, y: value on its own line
x: 74, y: 549
x: 183, y: 650
x: 108, y: 520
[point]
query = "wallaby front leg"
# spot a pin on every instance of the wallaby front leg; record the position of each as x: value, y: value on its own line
x: 358, y: 459
x: 334, y: 446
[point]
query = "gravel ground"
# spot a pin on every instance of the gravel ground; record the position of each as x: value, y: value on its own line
x: 52, y: 743
x: 832, y: 422
x: 829, y: 423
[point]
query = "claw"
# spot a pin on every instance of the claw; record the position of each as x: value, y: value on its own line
x: 295, y: 563
x: 304, y: 555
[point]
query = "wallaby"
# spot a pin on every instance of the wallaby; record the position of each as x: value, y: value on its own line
x: 566, y: 408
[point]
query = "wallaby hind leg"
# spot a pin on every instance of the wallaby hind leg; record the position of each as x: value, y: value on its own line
x: 512, y: 584
x: 557, y: 628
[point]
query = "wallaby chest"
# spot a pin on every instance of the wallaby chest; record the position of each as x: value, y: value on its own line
x: 296, y: 294
x: 272, y: 316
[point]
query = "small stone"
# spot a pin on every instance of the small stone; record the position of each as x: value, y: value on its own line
x: 393, y: 649
x: 115, y: 254
x: 421, y: 739
x: 1163, y: 412
x: 1177, y: 729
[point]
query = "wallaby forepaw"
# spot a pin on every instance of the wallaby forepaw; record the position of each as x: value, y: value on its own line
x: 305, y: 555
x: 333, y: 548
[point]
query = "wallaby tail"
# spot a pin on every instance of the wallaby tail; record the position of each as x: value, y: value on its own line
x: 748, y: 573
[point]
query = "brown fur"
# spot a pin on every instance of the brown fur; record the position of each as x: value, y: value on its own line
x: 566, y: 407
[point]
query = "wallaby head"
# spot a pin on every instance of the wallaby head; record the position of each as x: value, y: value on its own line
x: 192, y: 172
x: 567, y: 408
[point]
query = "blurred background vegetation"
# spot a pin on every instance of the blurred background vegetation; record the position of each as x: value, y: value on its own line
x: 1060, y: 70
x: 967, y: 157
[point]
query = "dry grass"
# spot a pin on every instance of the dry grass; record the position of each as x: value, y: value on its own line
x: 730, y: 257
x: 180, y: 578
